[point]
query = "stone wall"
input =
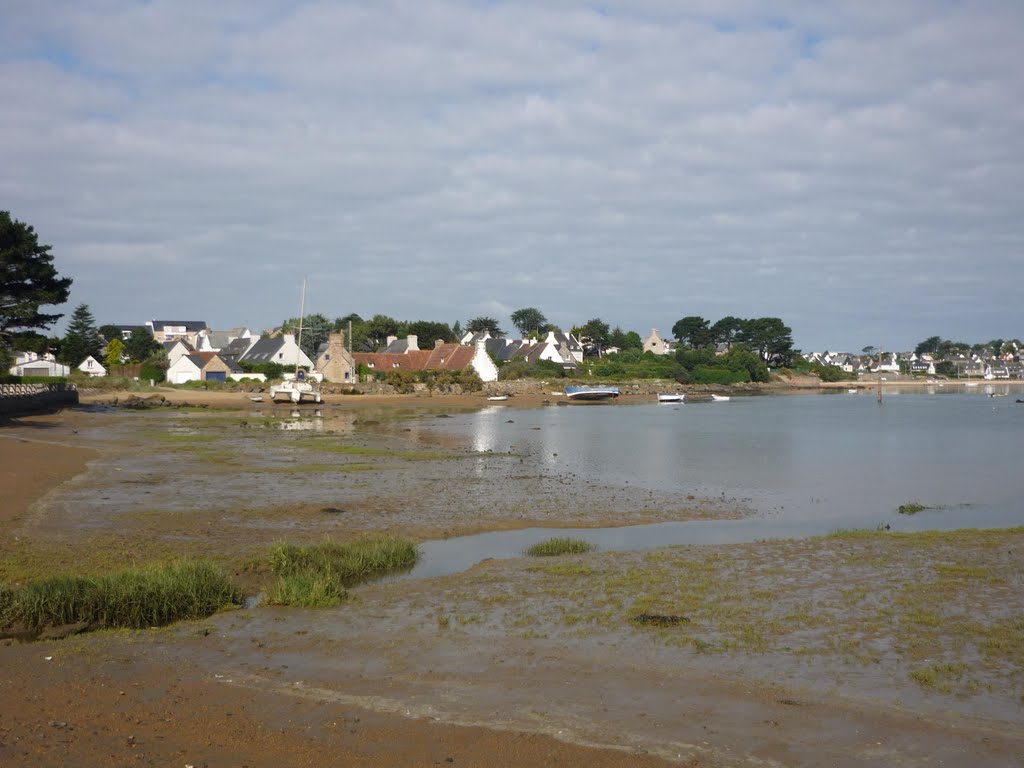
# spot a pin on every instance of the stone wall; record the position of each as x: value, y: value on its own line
x: 23, y: 399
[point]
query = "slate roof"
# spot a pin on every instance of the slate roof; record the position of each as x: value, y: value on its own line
x: 236, y: 349
x: 397, y: 347
x: 264, y: 350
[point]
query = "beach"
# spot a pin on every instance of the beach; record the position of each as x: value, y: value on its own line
x: 510, y: 663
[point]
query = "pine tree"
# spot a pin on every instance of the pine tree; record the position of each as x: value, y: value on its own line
x: 28, y: 279
x: 82, y: 339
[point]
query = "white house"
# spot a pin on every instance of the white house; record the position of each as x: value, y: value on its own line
x: 34, y: 364
x: 176, y: 350
x: 185, y: 368
x: 281, y: 350
x: 92, y: 367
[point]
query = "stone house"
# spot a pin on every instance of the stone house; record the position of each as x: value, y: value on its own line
x: 334, y: 361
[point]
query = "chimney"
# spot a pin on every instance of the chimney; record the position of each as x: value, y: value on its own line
x: 391, y: 340
x: 438, y: 343
x: 412, y: 343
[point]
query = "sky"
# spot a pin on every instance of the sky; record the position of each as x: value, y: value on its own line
x: 854, y: 168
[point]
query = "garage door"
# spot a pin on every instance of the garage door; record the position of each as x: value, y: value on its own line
x: 44, y: 371
x: 217, y: 376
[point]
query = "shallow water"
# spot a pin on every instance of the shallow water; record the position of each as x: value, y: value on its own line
x: 805, y: 465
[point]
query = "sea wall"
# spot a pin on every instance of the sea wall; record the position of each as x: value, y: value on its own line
x: 23, y: 399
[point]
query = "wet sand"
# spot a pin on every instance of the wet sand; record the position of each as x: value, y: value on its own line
x: 512, y: 663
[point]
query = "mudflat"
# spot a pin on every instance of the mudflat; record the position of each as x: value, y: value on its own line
x: 857, y: 649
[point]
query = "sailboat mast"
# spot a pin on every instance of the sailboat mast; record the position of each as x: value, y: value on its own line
x: 302, y: 315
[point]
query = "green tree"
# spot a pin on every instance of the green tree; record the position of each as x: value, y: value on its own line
x: 693, y: 331
x: 427, y: 332
x: 28, y: 280
x: 529, y: 320
x: 109, y: 332
x: 82, y: 339
x: 869, y: 350
x: 481, y: 324
x: 315, y: 330
x: 356, y: 340
x: 726, y: 330
x: 928, y: 346
x: 378, y: 328
x: 770, y: 337
x: 141, y: 345
x: 112, y: 354
x: 593, y: 336
x: 457, y: 331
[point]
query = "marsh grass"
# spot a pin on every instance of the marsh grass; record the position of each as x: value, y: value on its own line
x: 911, y: 508
x: 147, y: 597
x: 559, y: 546
x: 317, y: 575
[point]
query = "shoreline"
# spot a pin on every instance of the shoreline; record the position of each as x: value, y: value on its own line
x: 632, y: 393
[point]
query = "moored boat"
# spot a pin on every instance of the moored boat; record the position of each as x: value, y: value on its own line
x: 720, y: 398
x: 591, y: 393
x: 294, y: 390
x: 671, y: 397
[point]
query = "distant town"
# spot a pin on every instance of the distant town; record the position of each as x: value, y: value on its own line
x: 350, y: 349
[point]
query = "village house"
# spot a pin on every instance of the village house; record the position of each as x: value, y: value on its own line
x: 654, y: 343
x: 92, y: 367
x: 216, y: 341
x: 447, y: 357
x: 169, y: 330
x: 34, y: 364
x: 334, y: 361
x: 203, y: 366
x: 281, y: 350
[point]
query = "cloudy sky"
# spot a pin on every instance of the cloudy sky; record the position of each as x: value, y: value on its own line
x: 853, y: 167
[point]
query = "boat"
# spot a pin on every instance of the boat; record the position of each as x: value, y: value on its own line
x: 671, y: 397
x: 296, y: 387
x: 591, y: 393
x: 495, y: 398
x: 256, y: 398
x: 720, y: 398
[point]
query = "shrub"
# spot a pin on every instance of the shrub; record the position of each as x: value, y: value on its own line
x: 316, y: 575
x: 149, y: 597
x: 559, y: 546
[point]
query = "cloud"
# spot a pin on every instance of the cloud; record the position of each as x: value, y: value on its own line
x: 641, y: 162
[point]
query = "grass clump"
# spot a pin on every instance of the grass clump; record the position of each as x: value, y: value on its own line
x: 911, y: 508
x: 317, y: 575
x: 149, y: 597
x: 559, y: 546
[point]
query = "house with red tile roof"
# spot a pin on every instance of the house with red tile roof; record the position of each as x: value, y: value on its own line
x: 443, y: 357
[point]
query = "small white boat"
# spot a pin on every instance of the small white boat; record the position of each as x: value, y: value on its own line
x: 591, y: 393
x: 852, y: 391
x: 671, y: 397
x: 295, y: 390
x: 256, y: 398
x: 720, y: 398
x: 496, y: 398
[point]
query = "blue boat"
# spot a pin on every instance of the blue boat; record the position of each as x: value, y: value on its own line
x: 591, y: 393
